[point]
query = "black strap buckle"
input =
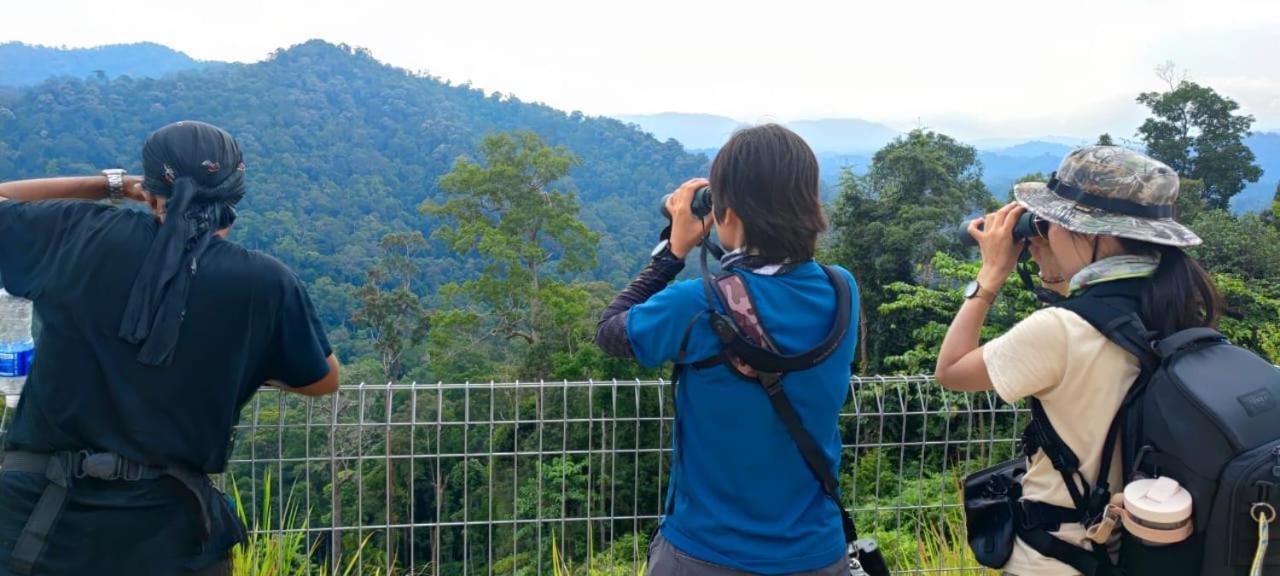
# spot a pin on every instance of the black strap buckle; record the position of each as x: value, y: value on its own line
x: 103, y: 466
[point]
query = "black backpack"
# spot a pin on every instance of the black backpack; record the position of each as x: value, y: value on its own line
x: 1203, y: 412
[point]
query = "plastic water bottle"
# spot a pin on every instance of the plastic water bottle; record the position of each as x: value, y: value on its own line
x: 16, y: 347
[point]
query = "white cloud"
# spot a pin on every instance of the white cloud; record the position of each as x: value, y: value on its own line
x: 995, y: 66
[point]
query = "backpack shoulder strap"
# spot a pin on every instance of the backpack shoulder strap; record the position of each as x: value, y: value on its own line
x: 737, y: 299
x: 1113, y: 309
x: 743, y: 334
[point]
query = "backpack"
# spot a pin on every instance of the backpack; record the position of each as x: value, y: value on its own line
x: 1204, y: 412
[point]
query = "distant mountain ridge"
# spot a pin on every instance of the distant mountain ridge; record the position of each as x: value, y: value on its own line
x: 838, y: 142
x: 708, y: 131
x: 27, y: 64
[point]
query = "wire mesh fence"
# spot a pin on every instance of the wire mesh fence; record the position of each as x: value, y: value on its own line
x: 566, y: 477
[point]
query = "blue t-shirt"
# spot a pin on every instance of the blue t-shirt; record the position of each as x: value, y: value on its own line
x: 744, y: 498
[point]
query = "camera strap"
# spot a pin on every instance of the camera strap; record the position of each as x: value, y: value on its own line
x: 744, y: 339
x: 1043, y: 294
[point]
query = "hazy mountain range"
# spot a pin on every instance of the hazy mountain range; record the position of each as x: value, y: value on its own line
x: 850, y: 142
x: 24, y: 64
x: 839, y: 142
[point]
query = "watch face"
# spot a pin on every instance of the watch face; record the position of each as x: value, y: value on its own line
x: 660, y: 247
x: 971, y: 290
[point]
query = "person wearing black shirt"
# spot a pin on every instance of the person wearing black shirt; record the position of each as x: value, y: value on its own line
x: 156, y: 330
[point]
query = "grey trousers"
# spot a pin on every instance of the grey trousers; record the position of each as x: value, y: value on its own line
x: 666, y: 560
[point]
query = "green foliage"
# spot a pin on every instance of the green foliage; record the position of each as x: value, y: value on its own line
x: 1197, y: 132
x: 340, y: 151
x: 1253, y: 315
x: 928, y: 309
x: 890, y: 221
x: 394, y: 318
x: 528, y: 236
x: 1273, y: 214
x: 282, y: 550
x: 1190, y: 203
x: 1245, y: 246
x: 1105, y: 140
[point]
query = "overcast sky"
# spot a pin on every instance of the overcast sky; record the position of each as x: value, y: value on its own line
x: 975, y: 68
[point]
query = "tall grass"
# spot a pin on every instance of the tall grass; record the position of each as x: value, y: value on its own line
x: 283, y: 550
x: 943, y: 547
x: 594, y: 567
x: 938, y: 544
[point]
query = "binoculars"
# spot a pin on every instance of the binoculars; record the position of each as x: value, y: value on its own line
x: 700, y: 206
x: 1028, y: 226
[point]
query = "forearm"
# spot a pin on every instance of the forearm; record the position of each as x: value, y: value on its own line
x: 74, y: 188
x: 964, y: 335
x: 960, y: 366
x: 611, y: 331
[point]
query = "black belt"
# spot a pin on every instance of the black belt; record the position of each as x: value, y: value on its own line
x: 1038, y: 515
x: 1034, y: 523
x: 63, y: 468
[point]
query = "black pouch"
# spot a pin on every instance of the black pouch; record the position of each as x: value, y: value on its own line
x: 990, y: 498
x: 219, y: 525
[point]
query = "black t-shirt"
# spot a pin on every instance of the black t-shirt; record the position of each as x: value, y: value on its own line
x: 248, y: 320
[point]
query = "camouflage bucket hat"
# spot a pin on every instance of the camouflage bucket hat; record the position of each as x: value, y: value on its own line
x: 1110, y: 191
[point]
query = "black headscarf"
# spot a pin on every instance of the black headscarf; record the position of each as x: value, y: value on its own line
x: 198, y: 168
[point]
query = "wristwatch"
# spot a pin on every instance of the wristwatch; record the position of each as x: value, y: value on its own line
x: 115, y: 183
x: 975, y: 290
x: 663, y: 251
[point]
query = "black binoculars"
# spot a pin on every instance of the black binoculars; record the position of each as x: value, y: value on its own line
x: 1028, y: 226
x: 700, y: 206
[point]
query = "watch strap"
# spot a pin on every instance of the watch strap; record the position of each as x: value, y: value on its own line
x: 115, y: 183
x: 983, y: 293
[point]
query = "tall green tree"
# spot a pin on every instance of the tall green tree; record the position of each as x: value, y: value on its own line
x: 525, y: 231
x: 1190, y: 203
x: 891, y: 221
x: 1197, y: 132
x: 388, y: 309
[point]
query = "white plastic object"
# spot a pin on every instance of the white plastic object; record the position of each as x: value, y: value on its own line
x: 1157, y: 510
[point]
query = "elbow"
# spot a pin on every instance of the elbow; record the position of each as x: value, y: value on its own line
x: 942, y: 374
x: 332, y: 380
x: 599, y: 338
x: 324, y: 386
x: 611, y: 336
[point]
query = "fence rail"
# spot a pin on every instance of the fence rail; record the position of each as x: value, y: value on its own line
x: 511, y: 478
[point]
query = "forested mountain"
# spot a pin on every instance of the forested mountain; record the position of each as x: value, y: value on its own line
x: 341, y: 150
x: 26, y: 64
x: 839, y: 142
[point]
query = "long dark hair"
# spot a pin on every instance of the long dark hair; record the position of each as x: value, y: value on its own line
x: 1180, y: 295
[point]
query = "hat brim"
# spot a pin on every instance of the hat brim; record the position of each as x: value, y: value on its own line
x: 1041, y: 201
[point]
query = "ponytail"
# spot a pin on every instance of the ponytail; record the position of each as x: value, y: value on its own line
x: 1181, y: 294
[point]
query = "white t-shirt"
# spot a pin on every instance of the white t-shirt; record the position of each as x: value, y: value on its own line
x: 1080, y: 378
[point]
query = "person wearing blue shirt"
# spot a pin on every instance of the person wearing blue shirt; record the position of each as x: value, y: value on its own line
x: 741, y: 499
